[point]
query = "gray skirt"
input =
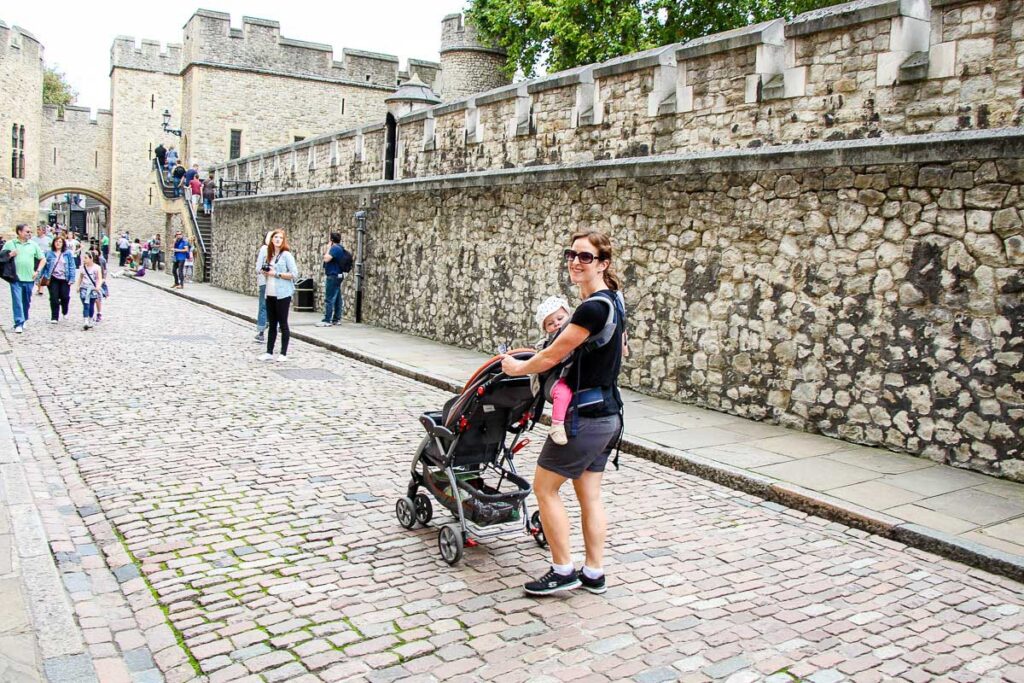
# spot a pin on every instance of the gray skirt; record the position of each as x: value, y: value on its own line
x: 588, y: 451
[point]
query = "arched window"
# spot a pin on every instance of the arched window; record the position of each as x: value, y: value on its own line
x: 17, y: 151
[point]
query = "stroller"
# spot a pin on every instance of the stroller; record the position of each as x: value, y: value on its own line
x: 466, y: 464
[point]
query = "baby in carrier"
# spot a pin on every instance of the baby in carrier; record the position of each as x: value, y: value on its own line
x: 553, y: 315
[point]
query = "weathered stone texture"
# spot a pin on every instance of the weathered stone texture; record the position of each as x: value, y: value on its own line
x: 974, y: 81
x: 877, y: 300
x: 21, y: 95
x: 75, y: 151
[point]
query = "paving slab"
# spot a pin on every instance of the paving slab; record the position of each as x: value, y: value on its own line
x: 876, y: 494
x: 935, y: 481
x: 817, y: 473
x: 974, y: 506
x: 878, y: 460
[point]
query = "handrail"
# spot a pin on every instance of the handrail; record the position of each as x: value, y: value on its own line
x: 195, y: 220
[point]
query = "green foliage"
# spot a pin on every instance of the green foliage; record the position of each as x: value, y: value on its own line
x: 561, y: 34
x: 56, y: 89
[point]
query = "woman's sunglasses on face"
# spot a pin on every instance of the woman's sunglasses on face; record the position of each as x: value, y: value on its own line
x: 585, y: 257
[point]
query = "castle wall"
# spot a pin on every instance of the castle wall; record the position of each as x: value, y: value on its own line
x: 869, y: 290
x: 21, y: 73
x: 138, y: 101
x: 862, y: 70
x: 75, y: 151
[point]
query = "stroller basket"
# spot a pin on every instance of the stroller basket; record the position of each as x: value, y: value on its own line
x: 482, y: 504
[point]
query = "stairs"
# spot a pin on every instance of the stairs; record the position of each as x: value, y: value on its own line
x: 201, y: 224
x: 204, y: 222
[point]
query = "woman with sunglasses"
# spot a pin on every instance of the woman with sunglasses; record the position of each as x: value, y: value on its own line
x: 598, y: 423
x: 59, y: 273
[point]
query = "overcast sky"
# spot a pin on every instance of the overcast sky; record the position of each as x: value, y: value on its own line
x: 77, y: 35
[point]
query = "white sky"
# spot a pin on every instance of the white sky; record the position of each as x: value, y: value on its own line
x: 77, y: 35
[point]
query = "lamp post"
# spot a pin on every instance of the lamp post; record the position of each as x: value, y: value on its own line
x: 167, y: 124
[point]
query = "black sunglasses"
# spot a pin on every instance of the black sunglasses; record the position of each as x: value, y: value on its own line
x: 585, y: 257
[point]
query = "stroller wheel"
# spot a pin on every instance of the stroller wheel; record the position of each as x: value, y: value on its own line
x: 405, y: 512
x: 449, y: 542
x: 424, y: 509
x: 538, y: 529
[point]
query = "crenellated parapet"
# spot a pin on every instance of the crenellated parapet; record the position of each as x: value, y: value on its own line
x: 17, y: 43
x: 872, y: 68
x: 148, y: 55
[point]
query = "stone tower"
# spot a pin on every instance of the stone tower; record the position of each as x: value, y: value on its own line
x: 21, y: 111
x: 411, y: 96
x: 468, y: 65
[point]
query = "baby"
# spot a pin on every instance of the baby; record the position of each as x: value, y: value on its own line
x: 552, y: 315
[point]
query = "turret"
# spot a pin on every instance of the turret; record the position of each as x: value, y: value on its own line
x: 468, y: 64
x: 411, y: 96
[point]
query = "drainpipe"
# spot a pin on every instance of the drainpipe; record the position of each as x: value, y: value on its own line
x: 360, y: 272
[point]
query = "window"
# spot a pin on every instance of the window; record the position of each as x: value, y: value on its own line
x: 299, y: 138
x: 343, y: 106
x: 17, y: 151
x: 367, y: 78
x: 236, y: 144
x: 152, y: 101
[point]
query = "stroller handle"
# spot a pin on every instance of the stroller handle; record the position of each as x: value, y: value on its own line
x: 518, y: 354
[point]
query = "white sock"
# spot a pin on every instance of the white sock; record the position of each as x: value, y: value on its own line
x: 592, y: 573
x: 563, y: 569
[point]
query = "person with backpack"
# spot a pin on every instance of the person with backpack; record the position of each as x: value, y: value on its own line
x: 209, y: 194
x: 594, y: 338
x: 337, y: 263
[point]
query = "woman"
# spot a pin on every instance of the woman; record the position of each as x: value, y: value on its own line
x: 89, y: 284
x: 60, y: 271
x: 599, y: 424
x: 99, y: 260
x: 281, y: 272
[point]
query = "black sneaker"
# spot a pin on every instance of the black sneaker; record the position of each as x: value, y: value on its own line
x: 553, y: 582
x: 593, y: 585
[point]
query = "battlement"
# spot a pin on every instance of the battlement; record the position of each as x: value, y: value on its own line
x: 148, y: 55
x: 258, y: 45
x: 459, y: 34
x: 75, y: 115
x: 17, y: 42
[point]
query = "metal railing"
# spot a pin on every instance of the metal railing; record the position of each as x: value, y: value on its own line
x: 237, y: 188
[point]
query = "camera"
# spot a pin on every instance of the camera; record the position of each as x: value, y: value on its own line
x: 265, y: 268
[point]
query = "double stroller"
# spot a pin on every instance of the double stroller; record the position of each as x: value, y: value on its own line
x: 465, y: 462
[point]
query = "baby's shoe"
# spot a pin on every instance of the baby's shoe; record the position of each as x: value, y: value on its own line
x: 557, y: 433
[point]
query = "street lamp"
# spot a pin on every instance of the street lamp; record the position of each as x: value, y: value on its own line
x: 167, y: 124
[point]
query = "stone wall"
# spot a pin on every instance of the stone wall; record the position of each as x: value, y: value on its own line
x: 872, y: 68
x: 139, y: 98
x: 75, y: 152
x: 21, y: 96
x: 870, y: 290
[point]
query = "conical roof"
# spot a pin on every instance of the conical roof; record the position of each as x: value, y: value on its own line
x: 414, y: 90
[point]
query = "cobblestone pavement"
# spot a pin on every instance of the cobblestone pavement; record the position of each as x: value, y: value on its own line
x: 259, y: 512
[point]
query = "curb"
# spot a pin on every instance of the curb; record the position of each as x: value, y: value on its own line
x: 790, y: 495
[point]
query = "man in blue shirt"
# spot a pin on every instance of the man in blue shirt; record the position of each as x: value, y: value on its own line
x: 180, y: 256
x: 334, y: 258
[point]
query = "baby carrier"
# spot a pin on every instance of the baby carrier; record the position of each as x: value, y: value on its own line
x: 584, y: 398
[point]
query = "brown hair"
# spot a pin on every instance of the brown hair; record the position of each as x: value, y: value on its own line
x: 63, y: 244
x: 271, y: 249
x: 603, y: 244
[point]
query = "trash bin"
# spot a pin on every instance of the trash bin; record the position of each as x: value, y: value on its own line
x: 305, y: 295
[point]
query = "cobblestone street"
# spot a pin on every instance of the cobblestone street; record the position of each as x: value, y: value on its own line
x: 258, y: 510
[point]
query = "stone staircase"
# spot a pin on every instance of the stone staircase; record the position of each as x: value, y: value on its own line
x: 201, y: 224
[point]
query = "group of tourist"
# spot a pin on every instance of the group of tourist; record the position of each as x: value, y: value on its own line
x: 185, y: 181
x: 138, y: 254
x: 59, y: 263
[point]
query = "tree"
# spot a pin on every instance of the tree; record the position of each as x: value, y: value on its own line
x: 57, y: 90
x: 561, y: 34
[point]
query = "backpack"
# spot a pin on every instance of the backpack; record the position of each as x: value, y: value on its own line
x: 345, y: 262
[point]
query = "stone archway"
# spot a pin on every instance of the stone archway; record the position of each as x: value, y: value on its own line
x: 98, y: 196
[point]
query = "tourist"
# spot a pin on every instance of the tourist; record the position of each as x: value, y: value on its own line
x: 29, y: 262
x: 599, y: 425
x: 191, y: 173
x: 89, y: 283
x: 58, y: 274
x: 178, y: 174
x: 209, y: 194
x: 171, y: 158
x: 123, y: 249
x: 105, y: 246
x: 281, y: 272
x: 161, y: 157
x: 42, y: 241
x: 136, y: 254
x: 335, y: 260
x: 156, y: 252
x: 195, y: 186
x: 75, y: 247
x: 189, y: 272
x: 145, y: 254
x: 261, y: 282
x: 104, y: 290
x: 181, y: 250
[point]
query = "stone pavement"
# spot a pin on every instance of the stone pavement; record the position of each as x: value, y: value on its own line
x: 242, y: 527
x: 962, y: 514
